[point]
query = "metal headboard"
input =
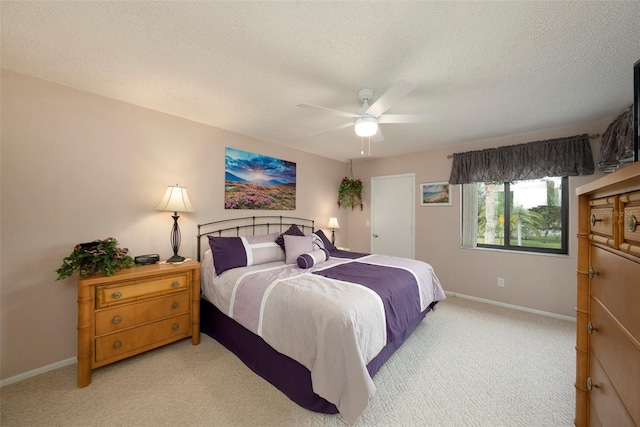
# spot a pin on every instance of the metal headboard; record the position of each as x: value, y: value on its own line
x: 250, y: 226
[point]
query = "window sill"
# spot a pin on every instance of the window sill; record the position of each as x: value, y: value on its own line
x: 509, y: 251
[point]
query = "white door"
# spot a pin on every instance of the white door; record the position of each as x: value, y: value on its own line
x: 392, y: 215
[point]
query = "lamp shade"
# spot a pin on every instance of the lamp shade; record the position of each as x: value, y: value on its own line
x: 333, y: 223
x: 366, y: 126
x: 175, y: 199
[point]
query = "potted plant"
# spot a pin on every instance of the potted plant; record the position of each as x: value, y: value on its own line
x: 350, y: 193
x: 99, y: 256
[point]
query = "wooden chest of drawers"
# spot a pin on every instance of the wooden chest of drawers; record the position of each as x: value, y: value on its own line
x: 136, y: 310
x: 608, y: 303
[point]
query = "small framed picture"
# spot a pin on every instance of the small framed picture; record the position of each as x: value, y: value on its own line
x: 435, y: 194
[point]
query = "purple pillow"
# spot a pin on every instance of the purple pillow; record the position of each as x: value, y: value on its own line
x: 228, y: 252
x: 232, y: 252
x: 327, y: 243
x: 291, y: 231
x: 310, y: 259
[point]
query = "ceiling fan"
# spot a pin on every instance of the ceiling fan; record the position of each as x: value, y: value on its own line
x: 367, y: 118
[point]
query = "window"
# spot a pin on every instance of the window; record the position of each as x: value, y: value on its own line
x: 528, y: 215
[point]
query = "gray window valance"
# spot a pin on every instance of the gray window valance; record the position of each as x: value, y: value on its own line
x: 616, y: 147
x: 534, y: 160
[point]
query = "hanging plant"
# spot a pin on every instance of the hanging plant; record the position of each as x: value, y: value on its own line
x: 350, y: 193
x: 99, y: 256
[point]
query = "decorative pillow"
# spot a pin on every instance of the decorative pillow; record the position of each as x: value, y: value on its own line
x: 232, y: 252
x: 312, y: 258
x: 291, y: 231
x: 327, y: 243
x: 317, y: 242
x: 296, y: 246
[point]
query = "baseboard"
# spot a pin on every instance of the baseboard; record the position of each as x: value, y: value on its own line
x: 38, y: 371
x: 515, y: 307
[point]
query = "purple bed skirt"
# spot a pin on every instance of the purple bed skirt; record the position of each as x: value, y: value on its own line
x: 287, y: 375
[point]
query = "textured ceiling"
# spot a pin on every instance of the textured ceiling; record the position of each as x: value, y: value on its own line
x: 489, y: 68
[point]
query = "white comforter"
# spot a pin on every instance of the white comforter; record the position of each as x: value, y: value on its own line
x: 334, y: 328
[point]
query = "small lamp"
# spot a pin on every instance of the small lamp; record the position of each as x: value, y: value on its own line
x: 175, y: 200
x: 333, y: 225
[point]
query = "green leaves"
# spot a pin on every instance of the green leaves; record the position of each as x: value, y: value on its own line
x: 99, y: 256
x: 350, y: 193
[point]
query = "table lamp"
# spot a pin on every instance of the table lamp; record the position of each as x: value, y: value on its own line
x: 333, y: 225
x: 175, y: 200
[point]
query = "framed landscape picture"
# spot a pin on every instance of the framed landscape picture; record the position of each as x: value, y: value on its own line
x: 435, y: 194
x: 255, y: 181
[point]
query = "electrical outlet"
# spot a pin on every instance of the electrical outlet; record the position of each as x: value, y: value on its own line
x: 500, y: 281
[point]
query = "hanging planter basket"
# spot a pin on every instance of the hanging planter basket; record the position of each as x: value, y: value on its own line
x: 350, y: 192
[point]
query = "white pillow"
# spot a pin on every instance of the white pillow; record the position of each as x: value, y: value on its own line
x: 318, y: 243
x: 294, y: 246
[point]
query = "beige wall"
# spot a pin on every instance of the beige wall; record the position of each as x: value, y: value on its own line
x: 539, y: 282
x: 78, y: 167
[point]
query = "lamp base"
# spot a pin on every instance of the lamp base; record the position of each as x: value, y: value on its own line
x: 175, y: 258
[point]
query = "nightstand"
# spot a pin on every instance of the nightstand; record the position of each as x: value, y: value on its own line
x: 136, y: 310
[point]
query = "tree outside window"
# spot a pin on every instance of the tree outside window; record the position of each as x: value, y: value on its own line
x: 530, y: 215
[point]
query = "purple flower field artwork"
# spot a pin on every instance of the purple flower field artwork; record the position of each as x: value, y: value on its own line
x: 254, y: 181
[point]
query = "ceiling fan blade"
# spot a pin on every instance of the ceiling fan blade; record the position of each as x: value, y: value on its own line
x: 329, y: 110
x: 346, y: 125
x: 395, y: 93
x: 410, y: 118
x: 378, y: 136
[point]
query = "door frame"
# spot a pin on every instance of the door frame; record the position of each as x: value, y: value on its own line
x: 412, y: 209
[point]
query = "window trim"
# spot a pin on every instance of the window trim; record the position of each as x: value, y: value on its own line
x: 564, y: 218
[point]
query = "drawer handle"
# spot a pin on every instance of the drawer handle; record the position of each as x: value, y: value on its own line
x: 594, y: 220
x: 117, y: 319
x: 591, y: 329
x: 591, y: 385
x: 593, y: 273
x: 117, y: 345
x: 175, y: 327
x: 175, y: 305
x: 116, y: 295
x: 175, y: 284
x: 632, y: 223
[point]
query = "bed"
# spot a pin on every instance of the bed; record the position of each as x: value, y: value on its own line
x: 315, y: 321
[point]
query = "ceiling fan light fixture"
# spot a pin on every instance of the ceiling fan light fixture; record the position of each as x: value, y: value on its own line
x: 366, y: 126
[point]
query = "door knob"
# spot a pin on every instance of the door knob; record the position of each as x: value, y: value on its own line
x: 375, y: 235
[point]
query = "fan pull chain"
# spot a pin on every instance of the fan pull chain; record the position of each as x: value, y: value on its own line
x: 362, y: 145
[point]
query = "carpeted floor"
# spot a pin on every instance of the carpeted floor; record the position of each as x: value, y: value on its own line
x: 467, y: 364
